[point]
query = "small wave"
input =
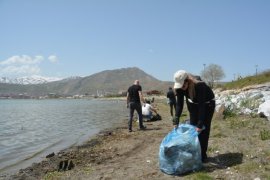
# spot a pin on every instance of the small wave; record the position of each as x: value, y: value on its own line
x: 35, y: 154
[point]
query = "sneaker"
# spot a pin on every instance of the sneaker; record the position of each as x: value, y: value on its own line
x: 130, y: 130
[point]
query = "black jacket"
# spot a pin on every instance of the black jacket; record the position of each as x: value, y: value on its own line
x: 196, y: 106
x: 171, y: 96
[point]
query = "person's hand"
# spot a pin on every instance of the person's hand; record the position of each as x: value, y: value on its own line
x: 199, y: 130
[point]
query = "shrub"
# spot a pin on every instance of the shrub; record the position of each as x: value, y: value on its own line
x: 265, y: 135
x: 229, y: 112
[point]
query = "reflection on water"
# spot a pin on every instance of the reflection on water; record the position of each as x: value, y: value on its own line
x: 31, y: 129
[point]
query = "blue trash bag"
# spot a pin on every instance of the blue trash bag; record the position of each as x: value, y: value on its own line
x: 180, y: 151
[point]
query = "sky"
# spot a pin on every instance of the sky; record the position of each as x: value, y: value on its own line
x: 63, y: 38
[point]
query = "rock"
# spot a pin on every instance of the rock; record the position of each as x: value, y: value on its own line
x: 50, y: 155
x: 219, y: 111
x: 264, y: 109
x: 250, y: 100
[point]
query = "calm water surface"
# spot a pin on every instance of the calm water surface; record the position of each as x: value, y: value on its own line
x: 31, y: 129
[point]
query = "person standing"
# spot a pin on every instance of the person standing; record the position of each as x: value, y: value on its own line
x: 171, y: 100
x: 200, y: 101
x: 134, y: 98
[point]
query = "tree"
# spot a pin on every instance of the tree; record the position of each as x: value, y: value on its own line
x: 212, y: 74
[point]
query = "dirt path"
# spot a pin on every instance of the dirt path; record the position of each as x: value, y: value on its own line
x: 128, y: 155
x: 236, y: 151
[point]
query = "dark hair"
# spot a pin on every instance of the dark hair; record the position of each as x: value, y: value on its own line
x: 198, y: 78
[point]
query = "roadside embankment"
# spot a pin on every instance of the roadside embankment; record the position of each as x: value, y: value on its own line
x: 252, y: 100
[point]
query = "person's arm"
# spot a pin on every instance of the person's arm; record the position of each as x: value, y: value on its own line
x: 179, y: 105
x: 153, y: 109
x: 128, y: 99
x: 141, y: 97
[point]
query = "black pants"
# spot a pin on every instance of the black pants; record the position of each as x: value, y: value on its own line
x: 172, y: 107
x: 204, y: 135
x: 135, y: 106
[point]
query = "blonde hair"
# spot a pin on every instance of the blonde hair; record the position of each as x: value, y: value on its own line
x: 191, y: 86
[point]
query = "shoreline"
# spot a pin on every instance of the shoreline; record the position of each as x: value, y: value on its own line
x: 39, y: 160
x: 51, y: 164
x: 117, y: 154
x: 14, y: 159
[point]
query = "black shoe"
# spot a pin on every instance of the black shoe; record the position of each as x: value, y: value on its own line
x: 204, y: 155
x: 130, y: 130
x: 205, y: 160
x: 143, y: 128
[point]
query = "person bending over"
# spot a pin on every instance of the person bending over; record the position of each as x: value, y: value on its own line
x: 200, y: 101
x: 148, y: 110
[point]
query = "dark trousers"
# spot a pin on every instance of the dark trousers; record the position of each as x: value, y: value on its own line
x: 172, y: 107
x: 135, y: 106
x: 204, y: 135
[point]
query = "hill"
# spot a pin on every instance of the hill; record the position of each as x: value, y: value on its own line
x: 260, y: 78
x: 105, y: 82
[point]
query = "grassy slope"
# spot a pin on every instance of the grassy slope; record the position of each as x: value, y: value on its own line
x: 248, y: 81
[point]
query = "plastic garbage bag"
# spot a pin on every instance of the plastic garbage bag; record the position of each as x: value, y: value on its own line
x: 180, y: 151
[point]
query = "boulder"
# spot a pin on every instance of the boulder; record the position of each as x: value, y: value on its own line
x: 264, y: 109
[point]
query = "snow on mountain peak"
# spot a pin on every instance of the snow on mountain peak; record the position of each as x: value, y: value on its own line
x: 35, y: 79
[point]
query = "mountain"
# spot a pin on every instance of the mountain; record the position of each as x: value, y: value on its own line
x: 108, y: 81
x: 28, y: 80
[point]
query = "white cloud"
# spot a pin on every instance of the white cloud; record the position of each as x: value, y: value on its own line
x: 24, y: 65
x: 22, y: 60
x: 53, y: 58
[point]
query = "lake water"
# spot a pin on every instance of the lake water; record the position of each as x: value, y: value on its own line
x: 32, y: 129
